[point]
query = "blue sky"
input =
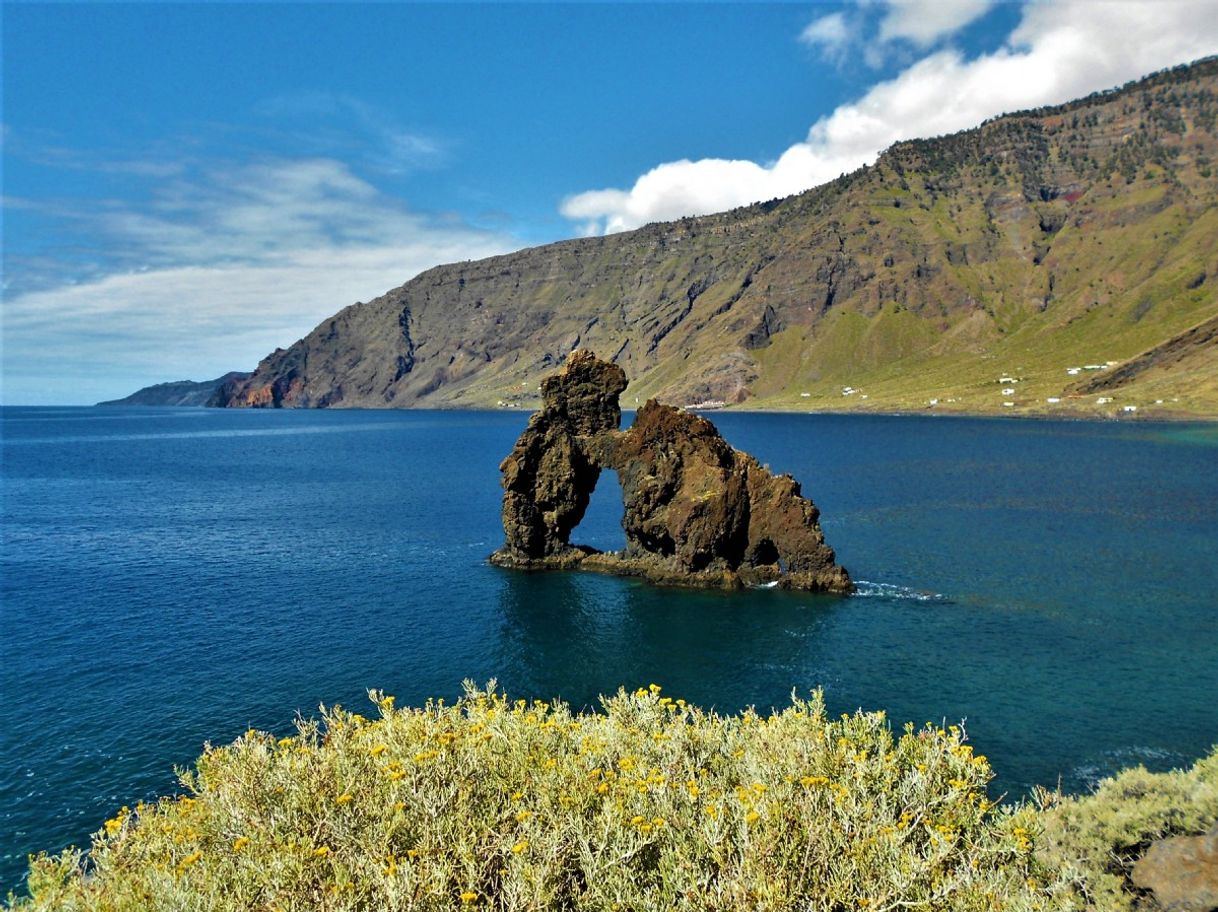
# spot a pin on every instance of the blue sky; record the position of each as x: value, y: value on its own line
x: 188, y: 186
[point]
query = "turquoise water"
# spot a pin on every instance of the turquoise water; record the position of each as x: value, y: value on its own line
x: 172, y: 577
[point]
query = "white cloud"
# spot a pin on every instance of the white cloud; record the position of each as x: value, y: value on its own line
x: 1058, y: 52
x: 830, y: 34
x: 221, y: 269
x: 924, y: 22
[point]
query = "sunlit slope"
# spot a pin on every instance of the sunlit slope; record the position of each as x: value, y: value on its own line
x: 1036, y: 243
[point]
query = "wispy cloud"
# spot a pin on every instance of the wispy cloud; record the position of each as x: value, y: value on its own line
x: 873, y: 30
x: 341, y: 125
x: 833, y: 35
x: 219, y: 267
x: 924, y: 22
x: 1058, y: 51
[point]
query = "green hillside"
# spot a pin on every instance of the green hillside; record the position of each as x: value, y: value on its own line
x: 1031, y: 246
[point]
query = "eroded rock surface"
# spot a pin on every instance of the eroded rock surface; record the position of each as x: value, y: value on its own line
x: 696, y: 511
x: 1181, y: 872
x: 549, y: 476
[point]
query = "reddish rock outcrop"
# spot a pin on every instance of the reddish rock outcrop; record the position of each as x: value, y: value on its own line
x: 697, y: 511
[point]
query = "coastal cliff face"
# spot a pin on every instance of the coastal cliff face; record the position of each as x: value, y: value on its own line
x: 696, y: 511
x: 1033, y: 244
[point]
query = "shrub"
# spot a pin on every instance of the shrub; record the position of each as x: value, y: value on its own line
x: 492, y: 804
x: 1096, y: 839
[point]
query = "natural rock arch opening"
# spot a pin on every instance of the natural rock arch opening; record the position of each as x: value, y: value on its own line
x: 602, y: 526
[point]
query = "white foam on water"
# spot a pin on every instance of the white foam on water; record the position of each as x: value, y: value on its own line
x: 868, y: 589
x: 1112, y: 762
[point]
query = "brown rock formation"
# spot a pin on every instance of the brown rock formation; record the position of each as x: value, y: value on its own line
x: 697, y: 512
x: 549, y: 476
x: 1182, y: 872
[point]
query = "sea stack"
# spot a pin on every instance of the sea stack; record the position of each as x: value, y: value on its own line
x: 696, y: 511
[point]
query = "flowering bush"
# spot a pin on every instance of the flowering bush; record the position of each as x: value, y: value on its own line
x: 493, y: 804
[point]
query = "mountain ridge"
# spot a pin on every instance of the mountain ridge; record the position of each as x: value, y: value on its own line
x: 1026, y: 248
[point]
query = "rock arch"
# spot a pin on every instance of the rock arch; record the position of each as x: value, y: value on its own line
x: 696, y: 511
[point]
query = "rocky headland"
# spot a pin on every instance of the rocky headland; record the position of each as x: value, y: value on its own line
x: 696, y: 511
x: 180, y: 392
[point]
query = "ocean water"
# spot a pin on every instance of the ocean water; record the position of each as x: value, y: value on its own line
x: 174, y: 577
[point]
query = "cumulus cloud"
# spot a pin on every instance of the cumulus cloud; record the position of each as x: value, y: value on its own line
x: 215, y: 272
x: 1058, y: 51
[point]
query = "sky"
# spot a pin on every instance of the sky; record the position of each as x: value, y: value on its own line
x: 187, y: 187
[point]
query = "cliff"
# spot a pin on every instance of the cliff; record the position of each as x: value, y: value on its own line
x: 1036, y: 244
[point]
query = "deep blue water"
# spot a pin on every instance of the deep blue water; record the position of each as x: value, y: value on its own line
x: 172, y: 577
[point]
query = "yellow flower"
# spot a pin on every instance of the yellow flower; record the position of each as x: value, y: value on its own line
x: 654, y: 688
x: 190, y: 859
x: 344, y: 798
x: 378, y: 750
x: 637, y: 819
x: 468, y: 896
x: 240, y: 843
x: 523, y: 816
x: 752, y: 817
x: 520, y: 847
x: 321, y: 851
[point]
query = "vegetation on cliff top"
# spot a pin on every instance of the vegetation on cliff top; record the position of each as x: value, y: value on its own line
x: 650, y: 804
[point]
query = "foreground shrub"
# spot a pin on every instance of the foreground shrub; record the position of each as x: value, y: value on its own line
x: 491, y: 804
x: 1096, y: 839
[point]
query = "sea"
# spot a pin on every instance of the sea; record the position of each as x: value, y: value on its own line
x: 173, y: 577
